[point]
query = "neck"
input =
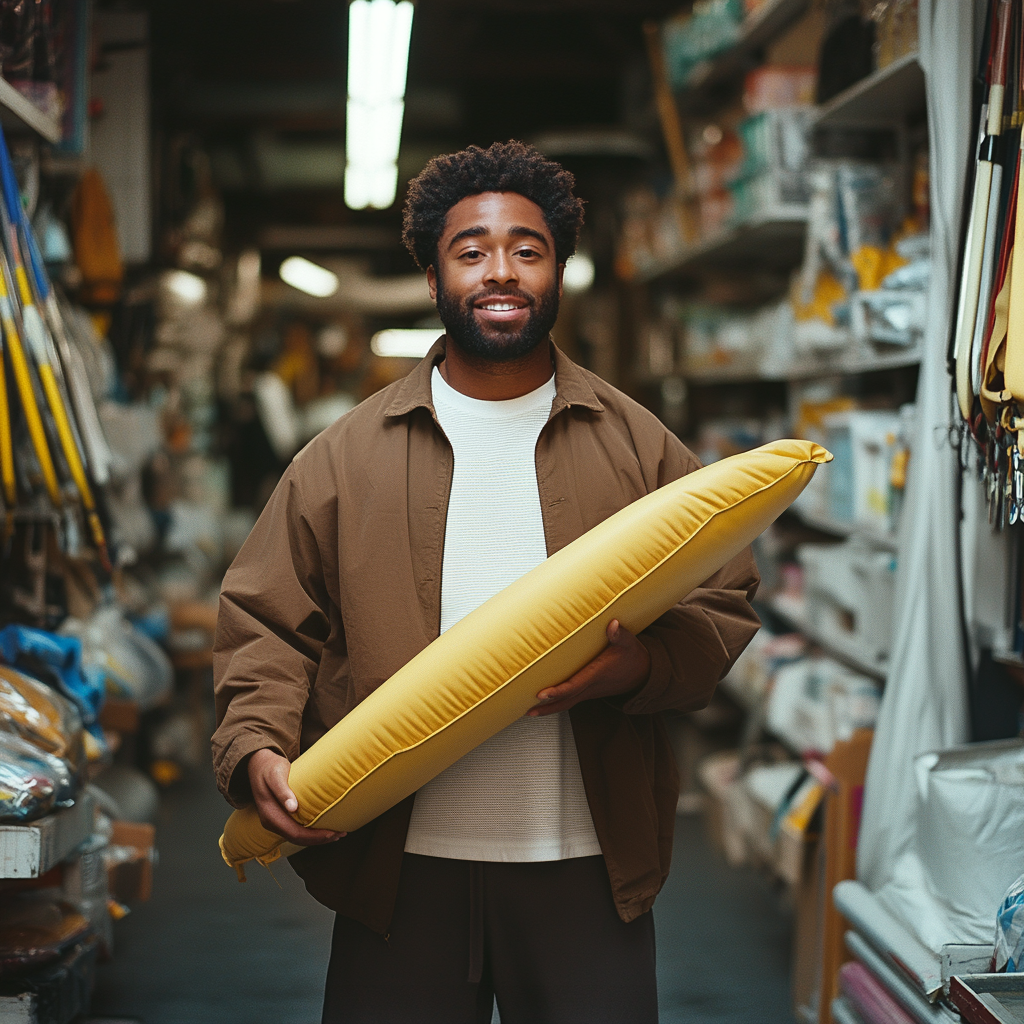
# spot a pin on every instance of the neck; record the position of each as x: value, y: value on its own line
x: 496, y: 382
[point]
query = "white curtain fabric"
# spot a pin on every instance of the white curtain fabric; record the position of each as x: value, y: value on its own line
x: 925, y: 702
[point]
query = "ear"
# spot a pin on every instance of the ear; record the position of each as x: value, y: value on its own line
x: 561, y: 274
x: 432, y: 283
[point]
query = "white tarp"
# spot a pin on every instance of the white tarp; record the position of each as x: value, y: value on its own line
x: 925, y: 702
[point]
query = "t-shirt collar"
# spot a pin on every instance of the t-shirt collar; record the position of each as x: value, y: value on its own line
x: 571, y: 385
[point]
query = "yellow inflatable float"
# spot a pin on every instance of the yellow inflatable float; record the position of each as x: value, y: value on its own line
x: 485, y: 672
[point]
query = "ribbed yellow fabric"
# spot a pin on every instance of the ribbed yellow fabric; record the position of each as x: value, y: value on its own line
x: 485, y: 672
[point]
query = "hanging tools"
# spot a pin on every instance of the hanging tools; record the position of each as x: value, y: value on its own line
x: 976, y: 250
x: 13, y: 221
x: 24, y: 383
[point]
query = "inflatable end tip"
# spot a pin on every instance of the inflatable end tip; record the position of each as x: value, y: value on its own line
x: 267, y: 859
x: 820, y: 455
x: 239, y: 869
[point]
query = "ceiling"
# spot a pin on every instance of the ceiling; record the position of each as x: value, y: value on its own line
x: 261, y: 83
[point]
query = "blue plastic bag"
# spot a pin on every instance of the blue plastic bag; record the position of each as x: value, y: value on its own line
x: 56, y: 660
x: 1009, y: 945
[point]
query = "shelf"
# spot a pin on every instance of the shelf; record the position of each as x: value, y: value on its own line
x: 17, y: 113
x: 758, y: 29
x: 841, y: 648
x: 891, y: 95
x: 849, y: 363
x: 28, y: 851
x: 772, y: 241
x: 879, y: 538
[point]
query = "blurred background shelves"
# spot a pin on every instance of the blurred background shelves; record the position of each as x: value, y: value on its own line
x: 793, y: 612
x: 876, y: 537
x: 709, y: 79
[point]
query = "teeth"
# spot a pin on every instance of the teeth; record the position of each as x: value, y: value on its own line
x: 500, y: 307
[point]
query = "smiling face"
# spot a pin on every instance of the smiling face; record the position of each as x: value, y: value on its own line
x: 496, y: 280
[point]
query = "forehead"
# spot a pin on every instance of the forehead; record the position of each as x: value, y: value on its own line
x: 496, y: 212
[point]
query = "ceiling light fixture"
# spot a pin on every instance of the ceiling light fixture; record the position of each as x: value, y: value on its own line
x: 378, y: 61
x: 404, y: 344
x: 309, y: 277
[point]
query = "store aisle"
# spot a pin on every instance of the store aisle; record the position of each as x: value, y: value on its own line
x: 723, y: 940
x: 206, y: 950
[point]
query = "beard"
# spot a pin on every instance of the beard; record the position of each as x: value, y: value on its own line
x: 495, y: 345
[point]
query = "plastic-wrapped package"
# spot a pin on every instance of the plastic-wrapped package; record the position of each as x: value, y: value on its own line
x: 128, y: 662
x: 56, y: 660
x: 40, y: 714
x: 32, y: 781
x: 970, y: 820
x: 1009, y: 944
x: 35, y: 928
x: 700, y: 35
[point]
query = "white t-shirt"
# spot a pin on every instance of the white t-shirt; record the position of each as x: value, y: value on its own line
x: 518, y: 796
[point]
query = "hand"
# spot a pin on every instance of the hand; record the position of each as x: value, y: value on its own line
x: 276, y: 803
x: 622, y: 666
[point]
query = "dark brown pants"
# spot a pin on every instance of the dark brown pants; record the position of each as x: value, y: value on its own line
x: 543, y: 939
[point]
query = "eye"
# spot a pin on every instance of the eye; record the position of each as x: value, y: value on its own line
x: 471, y: 254
x: 527, y: 252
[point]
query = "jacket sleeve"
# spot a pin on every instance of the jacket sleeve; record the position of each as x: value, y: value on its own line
x: 694, y: 645
x: 271, y: 627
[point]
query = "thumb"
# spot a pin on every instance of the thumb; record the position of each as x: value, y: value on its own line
x: 614, y: 632
x: 278, y: 783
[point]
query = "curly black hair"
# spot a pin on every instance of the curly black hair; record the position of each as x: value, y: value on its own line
x: 502, y: 167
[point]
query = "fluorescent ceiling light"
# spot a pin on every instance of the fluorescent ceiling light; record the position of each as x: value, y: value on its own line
x: 309, y: 277
x: 378, y: 62
x: 579, y: 273
x: 411, y: 344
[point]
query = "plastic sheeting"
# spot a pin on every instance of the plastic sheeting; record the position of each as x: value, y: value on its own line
x: 970, y: 824
x: 925, y: 702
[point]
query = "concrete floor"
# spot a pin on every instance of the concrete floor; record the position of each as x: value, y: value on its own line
x: 208, y: 950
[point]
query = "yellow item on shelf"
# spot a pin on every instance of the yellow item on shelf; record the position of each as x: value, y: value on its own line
x: 874, y: 264
x: 486, y: 671
x: 828, y: 291
x: 33, y: 711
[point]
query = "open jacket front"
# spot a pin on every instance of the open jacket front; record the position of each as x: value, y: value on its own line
x: 339, y: 585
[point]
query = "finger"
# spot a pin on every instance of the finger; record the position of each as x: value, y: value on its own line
x: 612, y: 632
x: 553, y: 708
x: 277, y: 783
x: 574, y: 684
x: 275, y: 820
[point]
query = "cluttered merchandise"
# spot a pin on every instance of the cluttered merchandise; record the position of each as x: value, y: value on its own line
x: 799, y: 255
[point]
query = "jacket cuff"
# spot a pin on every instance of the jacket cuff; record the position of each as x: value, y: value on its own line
x: 658, y: 680
x: 232, y: 770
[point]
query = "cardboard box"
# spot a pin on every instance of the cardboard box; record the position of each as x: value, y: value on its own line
x: 130, y: 858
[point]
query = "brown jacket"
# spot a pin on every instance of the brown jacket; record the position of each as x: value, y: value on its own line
x: 339, y: 585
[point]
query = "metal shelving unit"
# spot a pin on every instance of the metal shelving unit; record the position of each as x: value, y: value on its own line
x: 774, y: 239
x: 18, y: 114
x: 29, y: 851
x: 847, y: 363
x: 889, y: 95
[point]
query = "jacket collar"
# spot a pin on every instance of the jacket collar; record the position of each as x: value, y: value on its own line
x: 413, y: 392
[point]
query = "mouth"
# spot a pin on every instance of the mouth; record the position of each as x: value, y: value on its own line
x: 500, y: 309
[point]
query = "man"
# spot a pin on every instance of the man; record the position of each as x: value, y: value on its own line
x: 527, y: 870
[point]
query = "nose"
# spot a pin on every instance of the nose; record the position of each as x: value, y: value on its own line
x: 501, y: 269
